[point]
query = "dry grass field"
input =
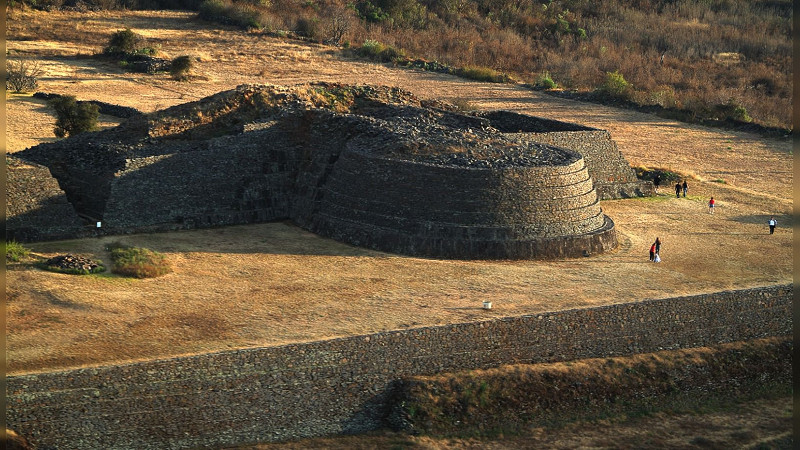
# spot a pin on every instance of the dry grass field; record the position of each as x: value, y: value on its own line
x: 270, y: 284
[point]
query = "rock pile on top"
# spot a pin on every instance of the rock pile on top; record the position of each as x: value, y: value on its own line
x: 70, y: 262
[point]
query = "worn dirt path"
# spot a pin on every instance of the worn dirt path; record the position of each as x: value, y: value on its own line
x: 274, y: 283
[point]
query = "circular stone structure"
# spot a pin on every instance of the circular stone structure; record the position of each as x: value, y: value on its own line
x: 537, y: 203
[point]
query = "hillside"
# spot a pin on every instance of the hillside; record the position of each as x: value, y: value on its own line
x: 720, y: 60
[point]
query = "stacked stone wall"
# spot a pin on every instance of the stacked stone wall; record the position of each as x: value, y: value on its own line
x: 220, y: 183
x: 456, y: 212
x: 612, y: 174
x: 33, y: 200
x: 345, y: 385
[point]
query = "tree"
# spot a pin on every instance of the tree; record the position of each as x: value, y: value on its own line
x: 338, y: 23
x: 23, y: 75
x: 123, y: 42
x: 73, y: 117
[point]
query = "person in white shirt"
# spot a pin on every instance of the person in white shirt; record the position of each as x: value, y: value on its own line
x: 772, y: 224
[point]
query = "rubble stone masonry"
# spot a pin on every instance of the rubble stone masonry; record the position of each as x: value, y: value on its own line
x: 345, y: 385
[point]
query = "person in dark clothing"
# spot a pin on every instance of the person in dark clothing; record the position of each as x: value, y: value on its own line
x: 658, y: 247
x: 656, y: 182
x: 772, y: 224
x: 685, y: 188
x: 677, y: 190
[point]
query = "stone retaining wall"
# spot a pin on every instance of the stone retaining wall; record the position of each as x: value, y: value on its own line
x: 612, y: 174
x: 455, y: 212
x: 218, y: 183
x: 345, y: 385
x: 33, y: 200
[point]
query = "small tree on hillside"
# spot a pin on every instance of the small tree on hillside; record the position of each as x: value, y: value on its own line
x: 123, y: 42
x: 338, y: 22
x: 180, y: 67
x: 23, y: 75
x: 72, y: 117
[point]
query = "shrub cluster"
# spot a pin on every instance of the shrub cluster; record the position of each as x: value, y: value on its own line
x: 73, y: 117
x: 689, y: 57
x: 128, y: 49
x: 377, y: 51
x: 242, y: 14
x: 545, y: 82
x: 481, y: 73
x: 180, y: 67
x: 138, y: 262
x: 123, y: 42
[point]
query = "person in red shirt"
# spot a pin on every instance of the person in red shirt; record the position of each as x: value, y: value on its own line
x: 711, y: 206
x: 652, y: 251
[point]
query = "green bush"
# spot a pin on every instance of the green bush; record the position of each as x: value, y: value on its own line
x: 138, y: 262
x: 482, y: 74
x: 212, y: 10
x: 72, y: 117
x: 310, y: 28
x: 615, y: 85
x: 375, y: 50
x: 732, y: 110
x: 15, y: 251
x: 123, y: 42
x: 180, y: 67
x: 371, y: 13
x: 243, y: 15
x: 545, y: 82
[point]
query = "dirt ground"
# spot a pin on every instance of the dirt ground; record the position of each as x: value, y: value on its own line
x: 274, y: 283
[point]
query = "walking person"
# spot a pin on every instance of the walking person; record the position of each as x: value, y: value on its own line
x: 658, y: 250
x: 656, y: 182
x: 685, y: 188
x: 711, y: 206
x: 677, y: 190
x: 772, y: 224
x: 653, y: 251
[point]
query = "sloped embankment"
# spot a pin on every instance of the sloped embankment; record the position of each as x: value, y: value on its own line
x: 512, y: 398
